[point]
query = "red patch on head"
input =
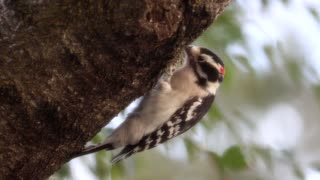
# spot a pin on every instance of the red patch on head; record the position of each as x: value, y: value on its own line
x: 222, y: 70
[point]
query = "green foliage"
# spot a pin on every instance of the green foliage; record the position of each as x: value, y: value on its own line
x: 298, y: 172
x: 267, y: 2
x: 63, y: 172
x: 224, y: 30
x: 192, y: 148
x: 101, y: 165
x: 285, y: 1
x: 230, y: 71
x: 101, y: 136
x: 232, y: 159
x: 216, y: 160
x: 316, y: 90
x: 313, y: 11
x: 294, y: 71
x: 264, y: 153
x: 118, y: 171
x: 215, y: 114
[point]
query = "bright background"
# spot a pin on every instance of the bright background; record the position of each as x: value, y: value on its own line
x: 264, y: 124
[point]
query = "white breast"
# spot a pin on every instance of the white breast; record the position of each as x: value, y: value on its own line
x: 161, y: 105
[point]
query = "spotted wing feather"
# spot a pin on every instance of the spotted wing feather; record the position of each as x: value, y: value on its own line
x: 182, y: 120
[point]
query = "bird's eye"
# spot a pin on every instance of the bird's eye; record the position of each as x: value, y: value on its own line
x: 201, y: 59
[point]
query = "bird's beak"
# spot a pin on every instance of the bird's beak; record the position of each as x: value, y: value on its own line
x: 192, y: 52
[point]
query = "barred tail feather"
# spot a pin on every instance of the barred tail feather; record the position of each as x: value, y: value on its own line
x: 125, y: 152
x: 120, y: 157
x: 95, y: 148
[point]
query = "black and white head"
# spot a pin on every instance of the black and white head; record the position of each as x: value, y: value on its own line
x: 207, y: 66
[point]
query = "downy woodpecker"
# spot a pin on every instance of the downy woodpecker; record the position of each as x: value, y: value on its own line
x: 171, y: 108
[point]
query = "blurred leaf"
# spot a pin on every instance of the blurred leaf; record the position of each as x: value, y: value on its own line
x: 206, y: 123
x: 234, y: 159
x: 230, y: 71
x: 101, y: 165
x: 97, y: 138
x: 316, y: 90
x: 291, y: 156
x: 294, y: 70
x: 285, y: 1
x: 269, y: 50
x: 216, y: 159
x: 314, y: 12
x: 244, y: 61
x: 264, y: 153
x: 118, y: 170
x: 239, y: 114
x: 215, y: 113
x: 265, y: 3
x: 191, y: 147
x: 64, y: 171
x: 102, y: 135
x: 223, y: 31
x: 298, y: 172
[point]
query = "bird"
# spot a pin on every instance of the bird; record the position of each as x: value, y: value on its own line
x: 169, y: 109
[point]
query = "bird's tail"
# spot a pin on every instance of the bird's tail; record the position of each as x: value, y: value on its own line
x: 120, y: 157
x: 94, y: 148
x: 125, y: 152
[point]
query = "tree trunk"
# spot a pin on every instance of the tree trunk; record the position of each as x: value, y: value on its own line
x: 68, y: 67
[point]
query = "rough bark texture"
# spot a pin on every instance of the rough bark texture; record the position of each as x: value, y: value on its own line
x: 68, y: 67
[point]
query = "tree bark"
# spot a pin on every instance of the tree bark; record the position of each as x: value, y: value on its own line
x: 68, y: 67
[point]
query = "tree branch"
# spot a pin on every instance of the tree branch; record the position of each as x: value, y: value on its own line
x: 68, y: 67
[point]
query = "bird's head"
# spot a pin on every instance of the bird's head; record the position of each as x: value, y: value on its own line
x: 207, y: 66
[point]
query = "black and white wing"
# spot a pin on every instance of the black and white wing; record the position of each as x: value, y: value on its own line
x: 181, y: 121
